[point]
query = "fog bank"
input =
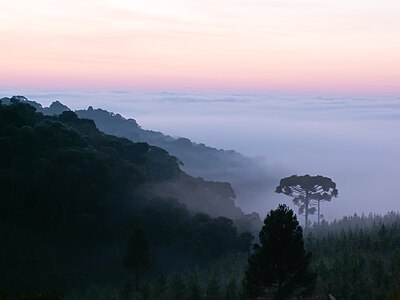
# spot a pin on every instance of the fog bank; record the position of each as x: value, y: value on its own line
x: 355, y: 141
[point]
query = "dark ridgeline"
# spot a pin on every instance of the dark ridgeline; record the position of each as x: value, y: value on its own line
x: 71, y: 196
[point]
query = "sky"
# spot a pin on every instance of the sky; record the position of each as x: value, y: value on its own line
x: 218, y: 72
x: 301, y: 46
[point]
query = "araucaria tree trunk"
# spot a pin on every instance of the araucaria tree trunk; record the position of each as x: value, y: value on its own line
x: 306, y: 203
x: 306, y: 215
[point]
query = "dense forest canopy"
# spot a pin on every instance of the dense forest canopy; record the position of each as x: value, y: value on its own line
x: 251, y: 178
x: 358, y: 256
x: 71, y: 195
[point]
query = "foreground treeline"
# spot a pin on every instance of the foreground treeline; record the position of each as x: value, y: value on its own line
x: 222, y: 280
x: 71, y: 197
x: 358, y: 256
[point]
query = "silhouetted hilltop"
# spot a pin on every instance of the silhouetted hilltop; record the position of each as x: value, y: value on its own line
x: 55, y: 108
x: 71, y: 195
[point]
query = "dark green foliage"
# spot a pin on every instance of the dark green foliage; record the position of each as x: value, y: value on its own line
x: 161, y: 286
x: 245, y: 241
x: 280, y: 264
x: 137, y: 252
x: 146, y: 291
x: 358, y: 256
x: 231, y: 290
x: 126, y: 291
x: 4, y: 295
x: 17, y: 115
x: 213, y: 288
x: 53, y: 294
x: 178, y: 287
x: 195, y: 290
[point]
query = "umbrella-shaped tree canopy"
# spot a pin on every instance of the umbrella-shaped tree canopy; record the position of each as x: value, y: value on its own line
x: 306, y: 188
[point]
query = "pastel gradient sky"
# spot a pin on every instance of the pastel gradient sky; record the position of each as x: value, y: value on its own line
x: 319, y: 46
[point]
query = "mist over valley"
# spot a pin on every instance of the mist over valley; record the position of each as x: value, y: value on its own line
x: 353, y: 140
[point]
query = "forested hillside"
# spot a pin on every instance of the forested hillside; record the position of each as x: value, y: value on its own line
x: 71, y: 196
x: 249, y: 177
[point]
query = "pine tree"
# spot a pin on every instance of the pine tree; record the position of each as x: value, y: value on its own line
x: 161, y: 285
x: 231, y: 292
x: 194, y: 287
x: 280, y: 264
x: 146, y: 291
x: 178, y: 287
x: 213, y: 288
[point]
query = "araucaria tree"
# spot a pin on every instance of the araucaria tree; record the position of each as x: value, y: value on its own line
x: 306, y: 189
x: 279, y: 265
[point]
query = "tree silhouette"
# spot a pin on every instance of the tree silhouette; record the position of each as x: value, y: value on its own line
x: 280, y: 264
x: 161, y: 286
x: 137, y: 255
x: 213, y: 288
x: 178, y: 287
x: 230, y: 290
x: 194, y: 287
x: 305, y: 189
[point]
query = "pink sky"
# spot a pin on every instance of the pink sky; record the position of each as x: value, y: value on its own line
x: 342, y: 46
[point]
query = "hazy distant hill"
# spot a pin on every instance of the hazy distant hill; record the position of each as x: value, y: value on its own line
x: 251, y: 178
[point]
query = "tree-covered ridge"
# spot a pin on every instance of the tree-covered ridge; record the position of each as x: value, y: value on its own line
x: 71, y: 195
x: 153, y: 163
x: 249, y: 177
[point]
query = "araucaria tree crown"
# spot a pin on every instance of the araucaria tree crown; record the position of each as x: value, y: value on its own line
x: 308, y: 190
